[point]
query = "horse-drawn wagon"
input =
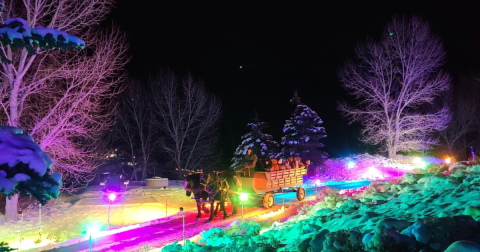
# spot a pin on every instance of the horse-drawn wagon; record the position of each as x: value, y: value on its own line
x: 266, y: 184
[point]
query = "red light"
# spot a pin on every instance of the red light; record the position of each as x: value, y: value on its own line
x: 112, y: 196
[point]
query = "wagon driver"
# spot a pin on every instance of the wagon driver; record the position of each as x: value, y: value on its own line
x: 250, y: 162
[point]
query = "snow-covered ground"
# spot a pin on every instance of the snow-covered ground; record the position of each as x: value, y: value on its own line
x: 424, y: 212
x: 71, y: 215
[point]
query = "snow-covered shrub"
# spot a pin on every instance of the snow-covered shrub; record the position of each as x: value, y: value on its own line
x: 249, y: 228
x: 385, y: 239
x: 343, y: 240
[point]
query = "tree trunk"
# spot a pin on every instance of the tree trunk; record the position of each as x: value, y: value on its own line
x: 391, y: 152
x: 11, y: 206
x: 11, y: 209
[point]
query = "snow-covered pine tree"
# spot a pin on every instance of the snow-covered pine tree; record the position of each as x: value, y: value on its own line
x: 25, y: 168
x: 262, y: 144
x: 303, y: 132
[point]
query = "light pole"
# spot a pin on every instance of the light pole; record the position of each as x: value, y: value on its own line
x: 111, y: 197
x: 243, y: 197
x: 165, y: 188
x: 183, y: 216
x: 92, y: 231
x: 317, y: 183
x: 283, y: 198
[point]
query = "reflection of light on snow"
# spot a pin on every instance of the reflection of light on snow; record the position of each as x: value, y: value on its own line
x: 372, y: 173
x: 419, y: 163
x: 342, y: 191
x: 270, y: 215
x: 29, y: 243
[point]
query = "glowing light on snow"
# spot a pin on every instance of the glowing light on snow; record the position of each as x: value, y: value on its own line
x: 270, y: 215
x: 317, y: 182
x: 243, y: 197
x: 448, y: 160
x: 372, y: 173
x: 351, y: 164
x: 419, y: 163
x: 93, y: 230
x: 112, y: 196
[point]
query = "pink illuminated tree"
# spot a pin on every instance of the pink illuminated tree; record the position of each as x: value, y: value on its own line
x: 62, y: 98
x: 392, y: 79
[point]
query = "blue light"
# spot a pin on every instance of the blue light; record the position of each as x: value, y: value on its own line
x: 350, y: 164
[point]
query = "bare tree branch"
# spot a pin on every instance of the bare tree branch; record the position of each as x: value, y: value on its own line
x: 189, y: 118
x: 137, y: 122
x: 392, y: 79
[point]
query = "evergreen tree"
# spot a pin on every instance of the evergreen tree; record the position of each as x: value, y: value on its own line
x: 4, y: 247
x: 25, y: 168
x: 262, y: 144
x: 303, y: 132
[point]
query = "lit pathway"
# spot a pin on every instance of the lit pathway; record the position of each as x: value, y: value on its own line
x: 158, y: 235
x: 164, y: 233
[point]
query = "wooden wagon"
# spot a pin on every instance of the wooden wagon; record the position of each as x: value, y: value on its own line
x: 266, y: 184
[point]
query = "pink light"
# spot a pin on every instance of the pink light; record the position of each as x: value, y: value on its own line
x: 112, y: 196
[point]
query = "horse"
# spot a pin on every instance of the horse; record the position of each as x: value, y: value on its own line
x: 192, y: 184
x: 222, y: 186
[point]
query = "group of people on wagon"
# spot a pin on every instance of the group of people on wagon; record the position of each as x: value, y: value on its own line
x: 273, y: 164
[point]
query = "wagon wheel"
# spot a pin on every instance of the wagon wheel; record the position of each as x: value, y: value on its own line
x: 300, y: 193
x: 268, y: 200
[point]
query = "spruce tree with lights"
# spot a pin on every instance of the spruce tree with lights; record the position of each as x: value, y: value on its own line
x: 303, y: 133
x: 262, y: 144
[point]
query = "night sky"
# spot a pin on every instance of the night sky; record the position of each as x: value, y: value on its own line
x: 281, y: 46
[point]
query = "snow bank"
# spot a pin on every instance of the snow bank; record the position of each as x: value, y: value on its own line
x: 372, y: 167
x: 424, y: 212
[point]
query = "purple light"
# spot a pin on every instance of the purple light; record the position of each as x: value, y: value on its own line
x: 112, y: 196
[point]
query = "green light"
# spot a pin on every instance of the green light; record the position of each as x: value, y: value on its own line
x: 241, y: 67
x: 243, y: 197
x: 93, y: 230
x: 391, y: 33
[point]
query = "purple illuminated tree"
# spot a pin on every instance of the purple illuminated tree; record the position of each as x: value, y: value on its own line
x: 262, y: 144
x: 392, y: 79
x: 60, y: 95
x: 303, y: 133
